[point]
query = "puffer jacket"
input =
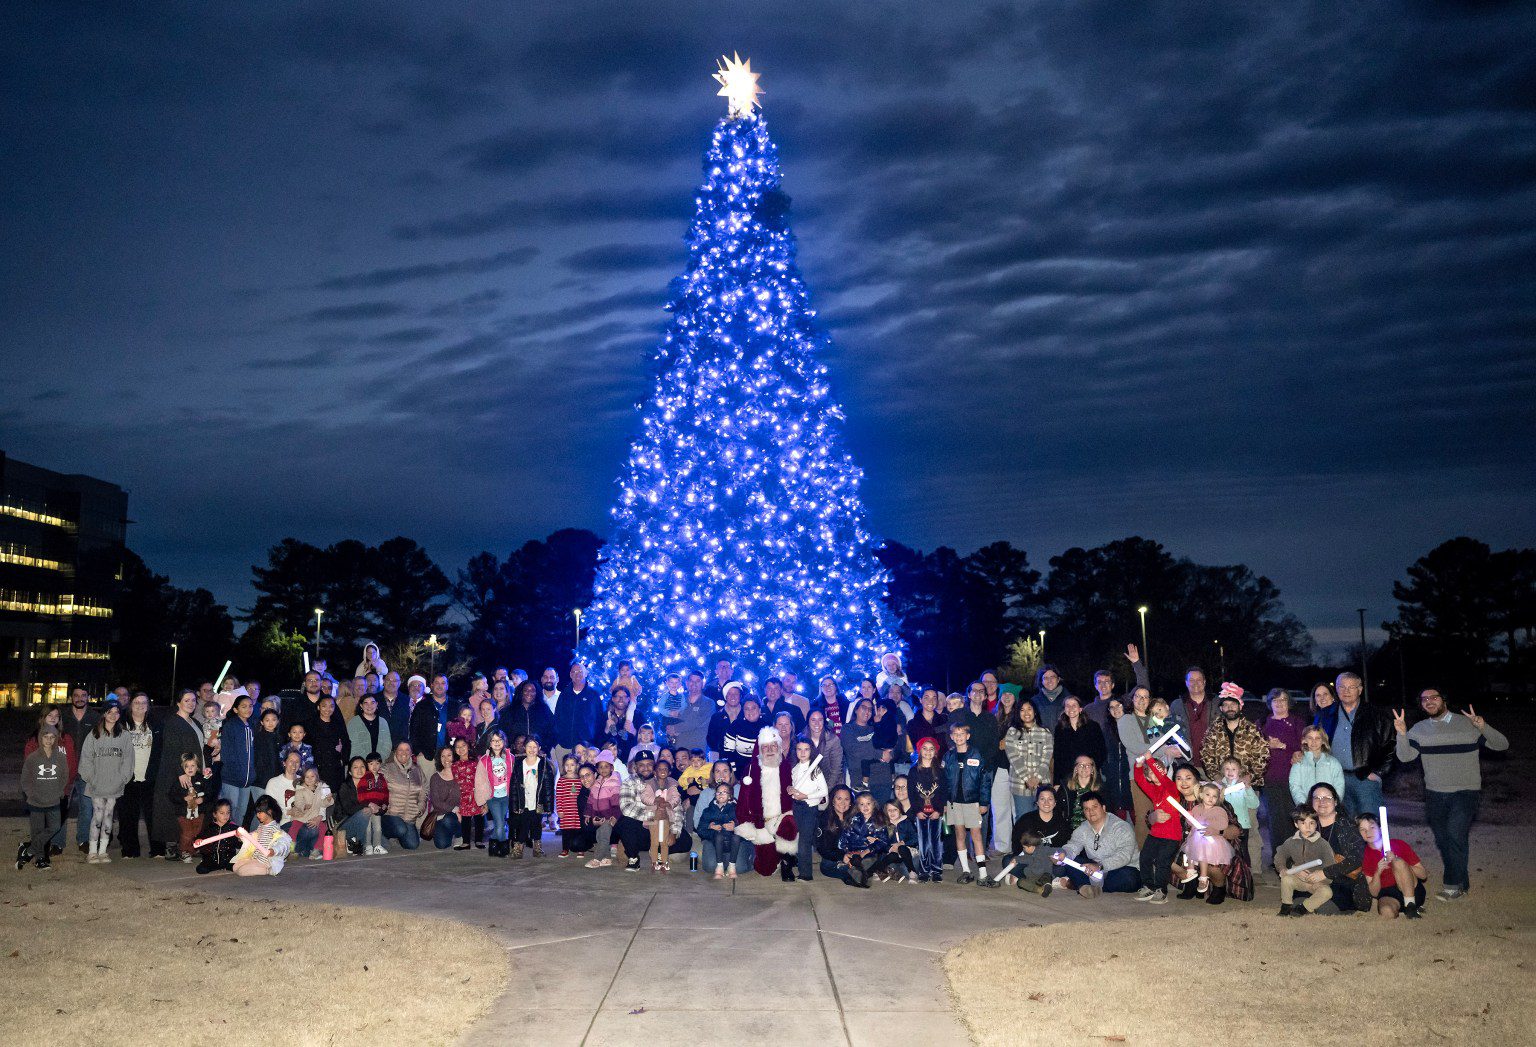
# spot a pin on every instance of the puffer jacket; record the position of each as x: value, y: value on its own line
x: 966, y: 777
x: 863, y: 834
x: 407, y: 790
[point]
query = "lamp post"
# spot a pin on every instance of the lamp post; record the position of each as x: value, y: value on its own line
x: 1365, y: 679
x: 175, y: 650
x: 433, y: 646
x: 577, y: 613
x: 1146, y: 654
x: 1042, y: 646
x: 319, y: 614
x: 1221, y: 652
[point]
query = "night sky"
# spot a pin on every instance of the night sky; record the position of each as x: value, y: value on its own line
x: 1257, y: 281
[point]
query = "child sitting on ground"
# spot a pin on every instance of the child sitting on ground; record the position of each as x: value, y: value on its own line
x: 263, y: 849
x: 1305, y: 847
x: 1386, y: 875
x: 904, y: 830
x: 865, y: 842
x: 218, y: 856
x: 718, y: 820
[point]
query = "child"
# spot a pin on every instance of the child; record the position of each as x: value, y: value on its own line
x: 1166, y: 834
x: 808, y: 788
x: 568, y: 805
x: 1387, y: 874
x: 44, y: 781
x: 865, y: 841
x: 587, y: 834
x: 218, y: 856
x: 263, y: 849
x: 969, y: 784
x: 1206, y: 846
x: 296, y: 744
x: 719, y: 821
x: 645, y: 743
x: 668, y: 815
x: 307, y: 814
x: 904, y: 830
x: 471, y: 816
x: 1159, y: 719
x: 187, y: 801
x: 463, y: 726
x: 1306, y: 846
x: 929, y: 795
x: 375, y: 790
x: 1244, y: 802
x: 531, y: 797
x: 603, y: 810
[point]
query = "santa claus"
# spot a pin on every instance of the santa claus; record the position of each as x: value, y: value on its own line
x: 764, y: 808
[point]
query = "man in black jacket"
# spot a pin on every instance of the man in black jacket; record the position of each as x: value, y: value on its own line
x: 578, y: 711
x: 429, y: 725
x: 1364, y: 742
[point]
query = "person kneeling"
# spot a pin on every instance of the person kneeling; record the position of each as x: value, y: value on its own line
x: 267, y: 846
x: 1108, y: 846
x: 1305, y: 848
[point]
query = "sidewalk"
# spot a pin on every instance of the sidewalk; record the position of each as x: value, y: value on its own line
x: 607, y: 957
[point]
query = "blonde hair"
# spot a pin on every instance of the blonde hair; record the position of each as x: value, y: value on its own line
x: 1315, y: 729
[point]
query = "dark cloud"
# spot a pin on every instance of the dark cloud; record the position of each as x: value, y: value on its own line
x: 1255, y: 280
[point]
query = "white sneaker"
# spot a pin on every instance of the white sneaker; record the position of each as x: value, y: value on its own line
x: 1145, y: 894
x: 91, y: 859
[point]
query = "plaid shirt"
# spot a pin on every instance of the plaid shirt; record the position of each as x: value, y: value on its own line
x: 1029, y: 756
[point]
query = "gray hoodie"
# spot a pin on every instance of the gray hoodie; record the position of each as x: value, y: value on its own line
x: 106, y: 765
x: 43, y: 777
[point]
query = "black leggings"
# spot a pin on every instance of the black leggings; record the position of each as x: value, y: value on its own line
x: 527, y: 827
x: 132, y: 808
x: 472, y: 828
x: 1157, y: 857
x: 862, y: 872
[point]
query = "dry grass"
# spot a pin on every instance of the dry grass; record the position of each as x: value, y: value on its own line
x: 90, y: 957
x: 1466, y: 973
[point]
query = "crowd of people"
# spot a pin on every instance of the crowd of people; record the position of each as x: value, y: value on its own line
x: 881, y: 782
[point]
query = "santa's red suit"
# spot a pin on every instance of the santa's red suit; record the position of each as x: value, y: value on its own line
x: 764, y: 807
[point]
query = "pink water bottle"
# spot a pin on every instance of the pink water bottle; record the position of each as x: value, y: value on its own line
x: 328, y: 847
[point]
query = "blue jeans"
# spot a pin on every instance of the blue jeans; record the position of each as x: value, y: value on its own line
x: 240, y: 799
x: 496, y: 818
x: 1450, y: 817
x: 397, y: 828
x: 355, y: 828
x: 1361, y: 795
x: 309, y: 835
x: 1022, y: 805
x: 83, y: 811
x: 1116, y: 881
x: 741, y: 854
x: 446, y: 829
x: 806, y: 818
x: 834, y: 870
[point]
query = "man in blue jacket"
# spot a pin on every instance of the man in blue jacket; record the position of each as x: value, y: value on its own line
x: 237, y: 745
x: 965, y: 775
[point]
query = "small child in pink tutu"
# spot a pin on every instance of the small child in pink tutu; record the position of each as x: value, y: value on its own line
x: 1207, y: 846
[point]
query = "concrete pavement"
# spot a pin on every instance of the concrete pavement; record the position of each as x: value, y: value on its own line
x: 607, y: 957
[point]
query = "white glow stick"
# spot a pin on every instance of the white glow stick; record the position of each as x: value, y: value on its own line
x: 1303, y: 867
x: 1386, y: 837
x: 1068, y: 861
x: 222, y: 673
x: 1191, y: 819
x: 1171, y: 732
x: 306, y: 662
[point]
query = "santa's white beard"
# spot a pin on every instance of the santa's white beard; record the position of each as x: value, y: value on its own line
x: 773, y: 808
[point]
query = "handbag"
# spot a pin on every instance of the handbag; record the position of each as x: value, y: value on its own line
x: 429, y: 823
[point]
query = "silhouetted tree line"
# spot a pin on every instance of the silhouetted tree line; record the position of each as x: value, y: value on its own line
x: 1466, y: 613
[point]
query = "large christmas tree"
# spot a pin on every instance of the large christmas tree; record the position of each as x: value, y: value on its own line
x: 739, y: 527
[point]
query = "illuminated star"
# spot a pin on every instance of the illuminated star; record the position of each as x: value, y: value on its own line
x: 738, y: 85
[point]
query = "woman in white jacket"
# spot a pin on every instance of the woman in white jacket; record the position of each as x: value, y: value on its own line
x: 808, y: 788
x: 371, y: 663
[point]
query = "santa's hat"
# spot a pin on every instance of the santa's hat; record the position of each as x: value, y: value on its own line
x: 769, y: 736
x: 729, y: 685
x: 416, y: 679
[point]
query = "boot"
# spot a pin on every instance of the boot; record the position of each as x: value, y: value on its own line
x: 1217, y: 895
x: 787, y: 869
x: 517, y: 850
x: 1187, y: 891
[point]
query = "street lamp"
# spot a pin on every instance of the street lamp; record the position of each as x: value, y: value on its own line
x: 1042, y: 645
x: 319, y: 613
x: 577, y: 613
x: 433, y: 646
x: 1146, y: 654
x: 174, y: 652
x: 1221, y: 651
x: 1365, y: 677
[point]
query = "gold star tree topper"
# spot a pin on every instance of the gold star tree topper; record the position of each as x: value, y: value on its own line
x: 738, y: 86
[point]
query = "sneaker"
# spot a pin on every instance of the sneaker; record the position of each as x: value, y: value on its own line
x: 1286, y: 910
x: 1301, y: 910
x: 1412, y: 912
x: 565, y: 854
x: 1158, y: 898
x: 923, y: 877
x: 966, y: 878
x: 103, y: 857
x: 92, y: 858
x: 1451, y: 894
x: 730, y: 874
x: 1045, y: 888
x: 380, y: 849
x: 44, y: 863
x: 1088, y: 890
x: 606, y: 862
x: 986, y: 883
x: 188, y: 859
x: 1145, y: 894
x: 633, y: 866
x: 595, y: 864
x: 353, y: 847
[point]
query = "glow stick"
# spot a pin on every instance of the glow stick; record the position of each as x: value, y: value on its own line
x: 1386, y: 837
x: 247, y: 836
x: 212, y: 839
x: 1303, y: 867
x: 1068, y: 861
x: 1171, y: 732
x: 222, y: 673
x: 306, y: 661
x: 1191, y: 819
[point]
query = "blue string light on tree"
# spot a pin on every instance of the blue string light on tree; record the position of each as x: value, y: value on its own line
x: 739, y: 526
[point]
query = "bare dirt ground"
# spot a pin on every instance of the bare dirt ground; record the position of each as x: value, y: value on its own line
x: 1210, y: 975
x: 88, y: 956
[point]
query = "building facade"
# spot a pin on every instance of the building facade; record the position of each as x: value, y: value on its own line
x: 61, y: 555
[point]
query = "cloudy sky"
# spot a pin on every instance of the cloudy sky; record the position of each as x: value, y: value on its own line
x: 1257, y: 281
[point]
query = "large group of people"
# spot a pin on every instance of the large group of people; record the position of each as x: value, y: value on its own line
x: 882, y: 781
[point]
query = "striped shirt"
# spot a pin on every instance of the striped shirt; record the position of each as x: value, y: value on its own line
x: 1449, y: 747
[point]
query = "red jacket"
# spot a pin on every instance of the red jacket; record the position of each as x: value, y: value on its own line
x: 1151, y: 779
x: 372, y: 788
